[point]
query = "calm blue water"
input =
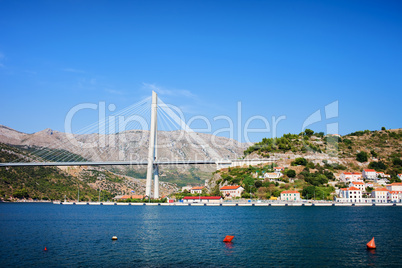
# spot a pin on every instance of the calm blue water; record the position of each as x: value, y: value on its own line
x: 80, y: 236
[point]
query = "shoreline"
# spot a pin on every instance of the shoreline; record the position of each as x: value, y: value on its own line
x: 250, y: 204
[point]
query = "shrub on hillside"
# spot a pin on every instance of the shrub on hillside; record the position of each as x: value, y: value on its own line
x: 362, y: 157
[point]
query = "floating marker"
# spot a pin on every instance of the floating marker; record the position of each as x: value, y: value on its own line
x: 45, y: 249
x: 371, y: 244
x: 114, y: 238
x: 228, y: 238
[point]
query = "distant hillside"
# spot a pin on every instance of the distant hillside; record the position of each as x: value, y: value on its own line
x: 313, y: 161
x: 131, y: 145
x: 384, y: 146
x: 56, y: 183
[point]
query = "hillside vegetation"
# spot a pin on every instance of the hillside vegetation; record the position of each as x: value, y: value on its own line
x: 57, y: 183
x: 314, y: 177
x: 41, y: 183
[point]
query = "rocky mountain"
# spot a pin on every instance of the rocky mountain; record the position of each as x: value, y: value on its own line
x: 57, y: 183
x: 130, y: 145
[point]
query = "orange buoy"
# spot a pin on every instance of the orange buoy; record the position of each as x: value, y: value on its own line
x: 228, y: 238
x: 371, y: 244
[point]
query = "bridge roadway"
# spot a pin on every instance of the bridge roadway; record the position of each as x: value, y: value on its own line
x: 108, y: 163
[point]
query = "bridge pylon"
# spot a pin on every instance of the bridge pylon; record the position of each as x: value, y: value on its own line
x: 152, y: 151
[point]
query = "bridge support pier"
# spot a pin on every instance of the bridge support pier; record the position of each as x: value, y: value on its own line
x: 152, y: 142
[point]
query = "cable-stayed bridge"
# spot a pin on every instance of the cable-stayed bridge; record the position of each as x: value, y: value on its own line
x: 102, y: 144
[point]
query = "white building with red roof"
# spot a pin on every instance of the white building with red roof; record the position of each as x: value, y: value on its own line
x: 395, y: 196
x: 197, y: 189
x: 358, y: 184
x: 351, y: 194
x: 290, y: 196
x: 231, y: 191
x: 383, y: 175
x: 380, y: 195
x: 351, y: 176
x: 396, y: 186
x: 400, y: 176
x: 369, y: 174
x: 202, y: 199
x: 279, y: 169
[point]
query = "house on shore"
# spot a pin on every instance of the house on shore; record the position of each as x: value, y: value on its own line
x: 202, y: 199
x: 351, y: 194
x: 290, y: 196
x: 197, y: 189
x: 232, y: 191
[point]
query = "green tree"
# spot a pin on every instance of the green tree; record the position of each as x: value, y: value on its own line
x: 383, y: 128
x: 291, y: 173
x: 299, y: 161
x: 21, y: 193
x: 309, y: 132
x: 308, y: 192
x: 373, y: 153
x: 378, y: 166
x: 362, y: 157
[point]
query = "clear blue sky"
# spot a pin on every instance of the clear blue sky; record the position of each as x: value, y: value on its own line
x: 288, y: 58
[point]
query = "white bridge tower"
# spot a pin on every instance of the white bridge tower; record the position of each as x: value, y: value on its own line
x: 152, y: 169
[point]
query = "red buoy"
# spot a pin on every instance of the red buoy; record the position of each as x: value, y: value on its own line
x: 228, y: 238
x: 45, y: 249
x: 371, y: 244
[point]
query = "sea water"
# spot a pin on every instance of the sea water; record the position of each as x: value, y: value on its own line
x: 170, y: 236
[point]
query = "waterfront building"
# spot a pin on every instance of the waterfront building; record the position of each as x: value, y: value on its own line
x: 197, y: 189
x: 232, y: 191
x: 290, y: 196
x: 394, y: 196
x: 351, y: 176
x: 202, y: 199
x: 380, y: 195
x: 358, y: 184
x: 396, y: 186
x: 351, y: 194
x: 369, y: 174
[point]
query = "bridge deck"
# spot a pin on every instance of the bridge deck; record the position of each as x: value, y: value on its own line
x: 108, y: 163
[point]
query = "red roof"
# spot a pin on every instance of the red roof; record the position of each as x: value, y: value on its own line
x: 198, y: 188
x: 356, y: 173
x: 353, y: 189
x: 369, y: 170
x: 358, y: 183
x: 347, y: 173
x: 202, y: 197
x: 234, y: 187
x: 381, y: 190
x: 396, y: 184
x: 290, y: 192
x: 395, y: 192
